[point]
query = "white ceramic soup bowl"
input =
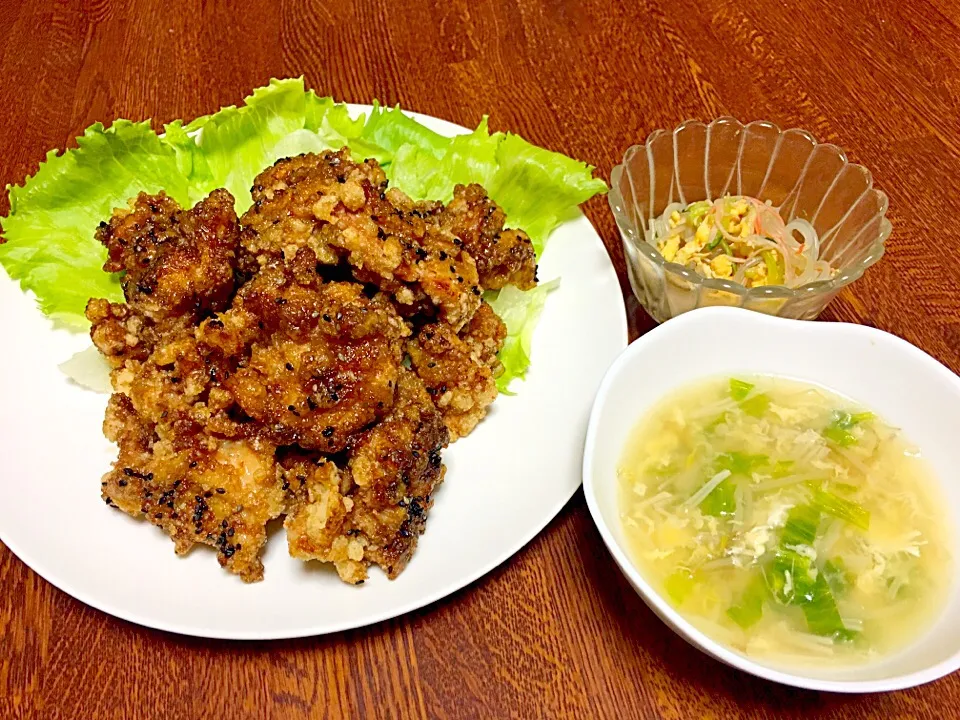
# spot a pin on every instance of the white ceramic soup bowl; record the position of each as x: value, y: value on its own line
x: 887, y: 375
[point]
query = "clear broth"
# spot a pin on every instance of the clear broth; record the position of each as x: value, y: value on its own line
x: 718, y: 479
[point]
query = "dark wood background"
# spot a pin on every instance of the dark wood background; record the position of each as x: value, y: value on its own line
x: 555, y: 632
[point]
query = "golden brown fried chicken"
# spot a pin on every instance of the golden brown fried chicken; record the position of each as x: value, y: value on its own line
x: 198, y: 489
x: 375, y: 511
x: 503, y: 257
x: 395, y: 468
x: 259, y: 371
x: 177, y: 264
x: 484, y: 336
x: 456, y: 376
x: 316, y: 521
x: 320, y: 360
x: 343, y: 211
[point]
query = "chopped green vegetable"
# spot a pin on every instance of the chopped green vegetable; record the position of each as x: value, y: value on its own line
x: 841, y: 508
x: 756, y: 406
x: 721, y: 501
x: 794, y: 579
x: 782, y: 468
x: 696, y: 211
x: 774, y: 271
x: 801, y: 526
x: 843, y: 487
x: 838, y: 431
x: 726, y: 248
x: 739, y: 463
x: 739, y: 389
x: 749, y: 610
x: 789, y: 578
x: 839, y: 436
x: 716, y: 422
x: 823, y: 617
x: 713, y: 243
x: 837, y: 576
x: 789, y: 574
x: 679, y: 585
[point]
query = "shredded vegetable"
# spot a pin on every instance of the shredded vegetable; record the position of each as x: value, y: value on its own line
x: 846, y: 510
x: 784, y: 521
x: 741, y: 239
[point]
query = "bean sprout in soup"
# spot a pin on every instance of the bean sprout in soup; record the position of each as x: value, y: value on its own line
x: 786, y: 522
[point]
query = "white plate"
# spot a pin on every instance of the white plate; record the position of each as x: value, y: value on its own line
x: 504, y: 482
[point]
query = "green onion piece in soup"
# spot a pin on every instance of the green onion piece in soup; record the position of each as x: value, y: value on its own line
x: 749, y: 609
x: 841, y: 508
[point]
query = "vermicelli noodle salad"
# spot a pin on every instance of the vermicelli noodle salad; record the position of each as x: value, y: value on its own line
x: 742, y: 239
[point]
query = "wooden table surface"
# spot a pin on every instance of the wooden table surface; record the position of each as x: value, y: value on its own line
x: 555, y: 632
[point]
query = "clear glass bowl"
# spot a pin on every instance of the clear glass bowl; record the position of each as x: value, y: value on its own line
x: 802, y: 177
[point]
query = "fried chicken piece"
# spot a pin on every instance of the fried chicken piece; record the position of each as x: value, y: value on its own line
x: 375, y: 513
x: 459, y: 372
x: 396, y: 468
x: 321, y: 360
x: 503, y: 257
x: 343, y: 211
x: 218, y: 493
x: 176, y: 262
x: 120, y: 332
x: 316, y: 521
x: 484, y: 336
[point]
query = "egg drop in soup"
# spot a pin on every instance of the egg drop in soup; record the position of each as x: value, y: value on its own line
x: 785, y: 522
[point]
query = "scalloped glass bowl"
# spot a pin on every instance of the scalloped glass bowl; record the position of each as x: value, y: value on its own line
x: 803, y: 178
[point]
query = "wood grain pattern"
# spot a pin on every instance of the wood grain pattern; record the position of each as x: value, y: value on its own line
x: 555, y: 632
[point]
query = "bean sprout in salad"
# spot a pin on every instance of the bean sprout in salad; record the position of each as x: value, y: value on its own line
x: 742, y: 239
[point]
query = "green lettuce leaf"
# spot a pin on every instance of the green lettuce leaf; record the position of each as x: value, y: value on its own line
x: 276, y: 121
x: 424, y: 175
x: 539, y: 189
x: 50, y: 246
x: 520, y: 312
x: 391, y: 129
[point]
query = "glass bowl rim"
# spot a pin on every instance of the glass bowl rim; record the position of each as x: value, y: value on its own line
x: 844, y: 277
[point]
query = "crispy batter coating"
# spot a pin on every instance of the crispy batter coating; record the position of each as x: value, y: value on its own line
x: 177, y: 262
x: 484, y: 336
x: 320, y: 360
x: 461, y: 384
x: 197, y: 489
x: 503, y: 257
x: 343, y: 211
x: 396, y: 468
x: 311, y: 360
x: 316, y: 522
x: 375, y: 512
